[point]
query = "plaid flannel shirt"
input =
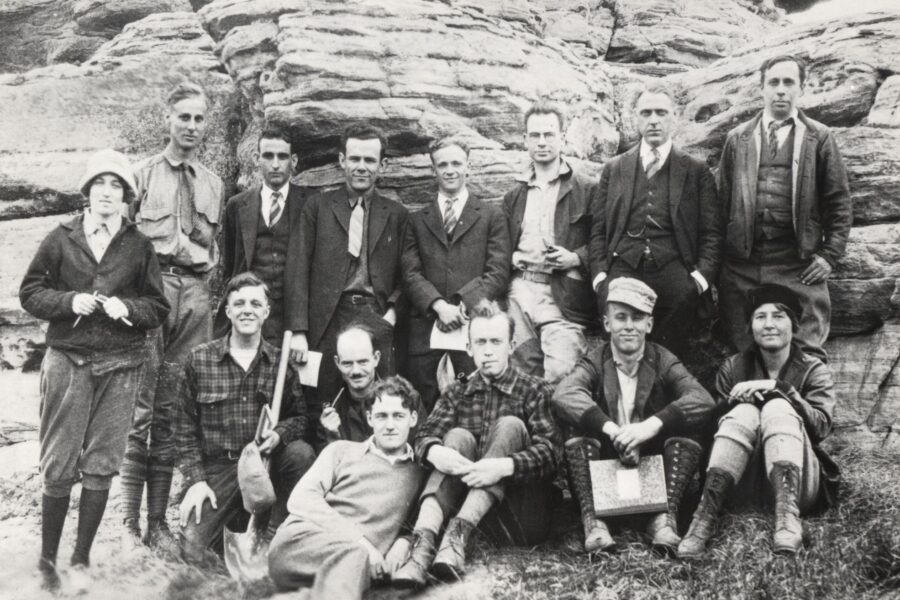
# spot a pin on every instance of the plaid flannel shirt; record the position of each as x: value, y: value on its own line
x: 219, y: 405
x: 477, y: 404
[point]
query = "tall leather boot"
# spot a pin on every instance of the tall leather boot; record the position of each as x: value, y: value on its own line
x: 596, y: 534
x: 680, y: 459
x: 703, y: 525
x: 785, y: 480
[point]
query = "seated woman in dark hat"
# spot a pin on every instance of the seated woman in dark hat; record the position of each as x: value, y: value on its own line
x: 777, y: 403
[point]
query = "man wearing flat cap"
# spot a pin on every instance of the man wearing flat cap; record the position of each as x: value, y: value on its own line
x: 777, y: 403
x: 631, y: 397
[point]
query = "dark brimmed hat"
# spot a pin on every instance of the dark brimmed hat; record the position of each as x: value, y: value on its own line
x: 772, y: 293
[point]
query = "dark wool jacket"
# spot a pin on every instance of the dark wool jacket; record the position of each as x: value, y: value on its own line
x: 572, y: 230
x: 64, y: 266
x: 805, y: 382
x: 822, y: 211
x: 588, y: 397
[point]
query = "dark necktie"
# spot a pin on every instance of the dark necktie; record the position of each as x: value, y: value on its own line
x: 774, y: 126
x: 275, y: 209
x: 187, y: 213
x: 354, y: 238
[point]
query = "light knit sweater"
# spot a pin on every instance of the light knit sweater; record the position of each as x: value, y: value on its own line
x: 354, y: 491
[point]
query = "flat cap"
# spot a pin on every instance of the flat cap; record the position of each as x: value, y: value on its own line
x: 633, y: 292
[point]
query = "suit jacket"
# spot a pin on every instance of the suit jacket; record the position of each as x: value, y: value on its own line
x: 241, y: 220
x: 571, y: 289
x: 318, y: 265
x: 692, y: 203
x: 473, y: 265
x: 588, y: 397
x: 820, y: 192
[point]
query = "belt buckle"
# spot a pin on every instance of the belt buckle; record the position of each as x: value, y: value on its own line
x: 358, y: 298
x: 233, y: 455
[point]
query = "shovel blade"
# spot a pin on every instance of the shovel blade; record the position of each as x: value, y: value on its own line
x: 246, y: 555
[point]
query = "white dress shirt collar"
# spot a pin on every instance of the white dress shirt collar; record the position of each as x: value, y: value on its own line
x: 266, y: 195
x: 458, y: 206
x: 374, y: 449
x: 647, y: 152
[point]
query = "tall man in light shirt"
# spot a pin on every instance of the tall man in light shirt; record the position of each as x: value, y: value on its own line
x: 548, y: 213
x: 456, y: 254
x: 179, y: 207
x: 630, y: 397
x: 656, y: 219
x: 785, y: 198
x: 261, y: 224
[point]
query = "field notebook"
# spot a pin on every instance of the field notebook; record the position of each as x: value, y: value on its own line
x: 621, y: 490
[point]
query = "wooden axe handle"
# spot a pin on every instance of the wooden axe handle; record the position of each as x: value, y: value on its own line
x: 283, y: 360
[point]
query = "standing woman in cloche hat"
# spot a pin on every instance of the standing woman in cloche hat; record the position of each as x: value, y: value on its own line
x: 777, y: 403
x: 96, y: 279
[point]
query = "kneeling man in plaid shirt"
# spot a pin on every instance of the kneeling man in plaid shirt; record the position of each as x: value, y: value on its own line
x: 223, y: 388
x: 492, y: 443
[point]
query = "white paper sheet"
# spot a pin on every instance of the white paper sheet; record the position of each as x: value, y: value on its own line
x: 309, y: 372
x: 454, y: 340
x: 629, y: 484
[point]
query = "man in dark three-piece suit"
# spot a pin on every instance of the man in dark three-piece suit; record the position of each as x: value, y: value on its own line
x: 261, y: 224
x: 456, y: 253
x: 346, y: 267
x: 656, y: 220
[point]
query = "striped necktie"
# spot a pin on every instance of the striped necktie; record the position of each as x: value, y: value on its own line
x: 653, y: 166
x: 354, y: 238
x: 774, y: 126
x: 449, y: 217
x: 275, y: 209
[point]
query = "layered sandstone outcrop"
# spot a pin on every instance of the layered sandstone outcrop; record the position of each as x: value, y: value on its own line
x: 422, y: 69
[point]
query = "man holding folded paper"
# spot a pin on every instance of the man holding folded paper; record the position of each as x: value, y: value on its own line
x: 456, y: 253
x: 627, y: 398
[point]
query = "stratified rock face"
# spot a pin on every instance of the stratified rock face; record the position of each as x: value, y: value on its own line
x: 36, y: 33
x: 419, y: 70
x: 847, y: 62
x: 54, y: 117
x: 422, y: 69
x: 693, y: 33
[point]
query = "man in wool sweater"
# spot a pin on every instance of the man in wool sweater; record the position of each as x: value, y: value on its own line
x: 347, y: 511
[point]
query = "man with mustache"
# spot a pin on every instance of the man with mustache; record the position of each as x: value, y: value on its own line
x: 656, y: 220
x: 344, y: 416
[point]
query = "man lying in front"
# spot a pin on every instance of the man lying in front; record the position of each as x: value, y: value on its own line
x: 347, y: 511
